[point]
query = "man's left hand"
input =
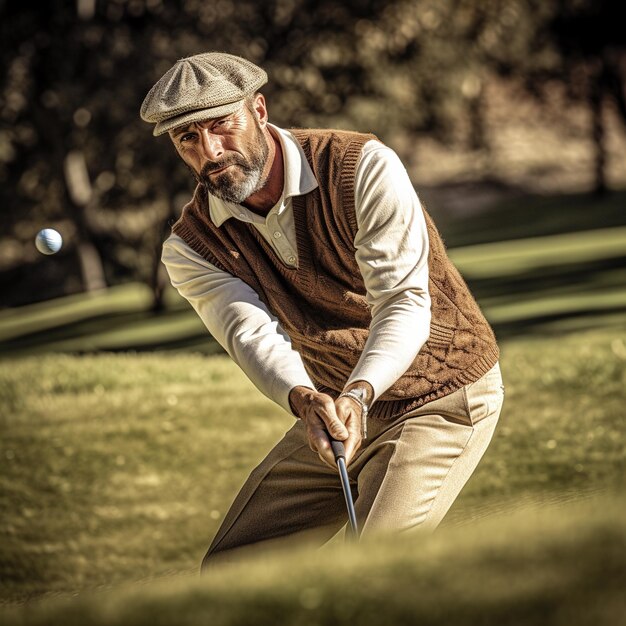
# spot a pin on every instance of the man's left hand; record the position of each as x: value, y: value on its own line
x: 349, y: 411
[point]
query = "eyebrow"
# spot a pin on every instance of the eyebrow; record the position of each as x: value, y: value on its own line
x: 179, y: 131
x: 184, y: 129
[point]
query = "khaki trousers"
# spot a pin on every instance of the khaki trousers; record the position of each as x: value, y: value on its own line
x: 405, y: 477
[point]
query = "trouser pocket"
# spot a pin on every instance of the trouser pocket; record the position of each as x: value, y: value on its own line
x: 485, y: 396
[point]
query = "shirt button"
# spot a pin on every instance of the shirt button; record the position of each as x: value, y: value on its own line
x: 277, y: 234
x: 242, y: 215
x: 292, y: 260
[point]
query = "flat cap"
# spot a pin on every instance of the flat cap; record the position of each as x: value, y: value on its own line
x: 200, y: 87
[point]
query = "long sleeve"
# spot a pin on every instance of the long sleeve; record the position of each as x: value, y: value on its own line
x: 238, y: 320
x: 392, y: 254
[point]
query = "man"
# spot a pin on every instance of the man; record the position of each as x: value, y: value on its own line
x: 310, y: 259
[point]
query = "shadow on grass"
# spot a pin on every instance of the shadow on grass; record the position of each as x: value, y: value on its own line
x: 551, y: 325
x: 545, y: 281
x: 567, y: 297
x: 101, y: 333
x: 520, y: 216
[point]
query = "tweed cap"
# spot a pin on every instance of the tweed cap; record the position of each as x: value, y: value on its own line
x: 200, y: 87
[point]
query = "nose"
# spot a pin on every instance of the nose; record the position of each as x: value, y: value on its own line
x: 211, y: 144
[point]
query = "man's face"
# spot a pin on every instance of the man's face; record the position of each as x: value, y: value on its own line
x: 227, y: 154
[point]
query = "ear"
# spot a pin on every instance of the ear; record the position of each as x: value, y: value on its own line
x: 260, y: 109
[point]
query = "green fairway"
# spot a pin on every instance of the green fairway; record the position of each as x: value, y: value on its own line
x: 539, y: 285
x: 118, y: 468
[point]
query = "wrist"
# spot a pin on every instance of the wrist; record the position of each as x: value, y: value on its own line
x: 361, y: 393
x: 363, y: 390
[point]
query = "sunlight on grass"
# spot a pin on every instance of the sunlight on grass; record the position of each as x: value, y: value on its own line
x: 37, y: 317
x: 506, y: 258
x: 119, y: 467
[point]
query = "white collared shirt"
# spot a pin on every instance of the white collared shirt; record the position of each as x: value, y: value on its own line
x: 277, y: 227
x: 392, y: 254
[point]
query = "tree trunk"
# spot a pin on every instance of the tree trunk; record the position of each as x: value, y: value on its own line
x: 477, y: 135
x: 79, y: 194
x: 91, y: 268
x: 158, y: 274
x: 598, y: 137
x: 158, y: 280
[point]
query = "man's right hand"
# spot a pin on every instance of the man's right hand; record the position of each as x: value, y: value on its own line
x: 317, y: 411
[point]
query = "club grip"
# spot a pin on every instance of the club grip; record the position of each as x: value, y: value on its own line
x: 338, y: 448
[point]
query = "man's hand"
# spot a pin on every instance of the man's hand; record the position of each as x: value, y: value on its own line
x: 318, y: 412
x: 349, y: 412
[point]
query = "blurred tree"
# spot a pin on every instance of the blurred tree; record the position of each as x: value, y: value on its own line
x: 73, y: 75
x: 579, y: 45
x: 591, y: 40
x: 71, y: 137
x: 74, y: 153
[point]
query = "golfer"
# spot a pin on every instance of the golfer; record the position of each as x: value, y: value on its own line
x: 309, y: 257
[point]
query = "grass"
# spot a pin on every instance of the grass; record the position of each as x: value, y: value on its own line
x: 520, y: 216
x: 541, y: 285
x: 108, y: 458
x: 118, y: 468
x: 508, y: 258
x: 564, y: 567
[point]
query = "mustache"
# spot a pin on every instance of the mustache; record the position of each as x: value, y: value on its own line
x: 218, y: 165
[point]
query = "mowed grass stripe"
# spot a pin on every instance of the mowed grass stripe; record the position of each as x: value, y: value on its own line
x: 62, y: 324
x: 62, y: 311
x: 522, y: 308
x: 147, y: 332
x: 507, y: 258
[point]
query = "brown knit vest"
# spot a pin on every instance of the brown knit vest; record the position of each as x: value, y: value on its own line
x: 321, y: 305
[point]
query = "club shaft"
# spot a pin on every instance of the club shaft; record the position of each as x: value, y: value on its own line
x: 347, y: 492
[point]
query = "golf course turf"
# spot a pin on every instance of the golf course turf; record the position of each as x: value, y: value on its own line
x: 118, y: 466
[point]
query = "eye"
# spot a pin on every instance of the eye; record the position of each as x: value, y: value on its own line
x: 186, y: 137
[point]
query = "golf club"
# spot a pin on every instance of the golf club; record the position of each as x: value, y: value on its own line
x: 340, y: 457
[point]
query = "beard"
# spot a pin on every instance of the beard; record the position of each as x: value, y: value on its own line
x: 244, y: 176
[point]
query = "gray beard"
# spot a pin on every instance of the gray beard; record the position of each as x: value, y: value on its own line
x: 224, y: 189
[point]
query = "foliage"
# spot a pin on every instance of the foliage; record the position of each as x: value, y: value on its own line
x: 582, y: 46
x: 73, y: 75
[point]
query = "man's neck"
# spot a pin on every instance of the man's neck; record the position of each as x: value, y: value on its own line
x: 262, y: 201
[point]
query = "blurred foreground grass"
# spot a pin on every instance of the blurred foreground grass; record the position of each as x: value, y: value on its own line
x: 541, y: 566
x: 118, y: 468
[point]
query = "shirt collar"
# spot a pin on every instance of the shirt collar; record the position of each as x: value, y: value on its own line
x: 298, y: 180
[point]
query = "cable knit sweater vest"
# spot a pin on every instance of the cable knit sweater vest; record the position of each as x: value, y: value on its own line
x: 321, y: 304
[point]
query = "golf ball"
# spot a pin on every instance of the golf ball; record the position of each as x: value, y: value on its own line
x: 48, y: 241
